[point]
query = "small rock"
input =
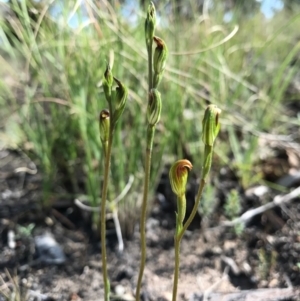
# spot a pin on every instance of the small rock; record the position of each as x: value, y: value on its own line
x: 290, y: 179
x: 125, y: 273
x: 229, y: 245
x: 119, y: 290
x: 167, y: 296
x: 273, y: 283
x: 247, y: 267
x: 11, y: 239
x: 128, y: 297
x: 152, y: 224
x: 48, y: 250
x: 257, y: 191
x: 195, y: 297
x: 264, y: 283
x: 217, y: 250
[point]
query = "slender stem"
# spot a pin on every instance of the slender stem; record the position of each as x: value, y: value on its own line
x: 181, y: 208
x: 150, y: 136
x: 179, y: 235
x: 195, y: 208
x: 176, y: 269
x: 103, y: 218
x: 208, y: 151
x: 149, y: 143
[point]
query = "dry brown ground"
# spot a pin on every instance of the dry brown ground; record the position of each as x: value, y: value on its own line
x: 266, y: 255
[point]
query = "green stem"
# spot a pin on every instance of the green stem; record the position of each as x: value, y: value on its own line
x: 179, y: 235
x: 195, y: 208
x: 176, y: 269
x: 205, y: 171
x: 103, y: 215
x: 208, y: 152
x: 181, y: 208
x: 150, y: 136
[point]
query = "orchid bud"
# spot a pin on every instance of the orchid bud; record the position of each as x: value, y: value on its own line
x: 154, y: 107
x: 159, y: 60
x: 150, y: 24
x: 178, y: 176
x: 107, y: 82
x: 178, y: 179
x: 211, y: 125
x: 120, y: 100
x: 160, y: 55
x: 104, y: 124
x: 104, y: 121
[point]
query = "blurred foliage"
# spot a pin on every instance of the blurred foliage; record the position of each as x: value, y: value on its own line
x: 233, y: 204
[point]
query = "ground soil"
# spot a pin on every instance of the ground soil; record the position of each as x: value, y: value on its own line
x: 213, y: 257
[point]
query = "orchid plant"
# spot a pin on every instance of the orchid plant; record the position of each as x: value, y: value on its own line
x: 178, y: 179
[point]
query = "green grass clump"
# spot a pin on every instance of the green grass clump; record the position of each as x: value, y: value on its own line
x: 233, y: 209
x: 233, y: 204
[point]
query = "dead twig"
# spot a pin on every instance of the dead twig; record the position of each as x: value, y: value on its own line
x: 121, y: 196
x: 271, y: 294
x: 114, y: 211
x: 277, y: 201
x: 64, y: 220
